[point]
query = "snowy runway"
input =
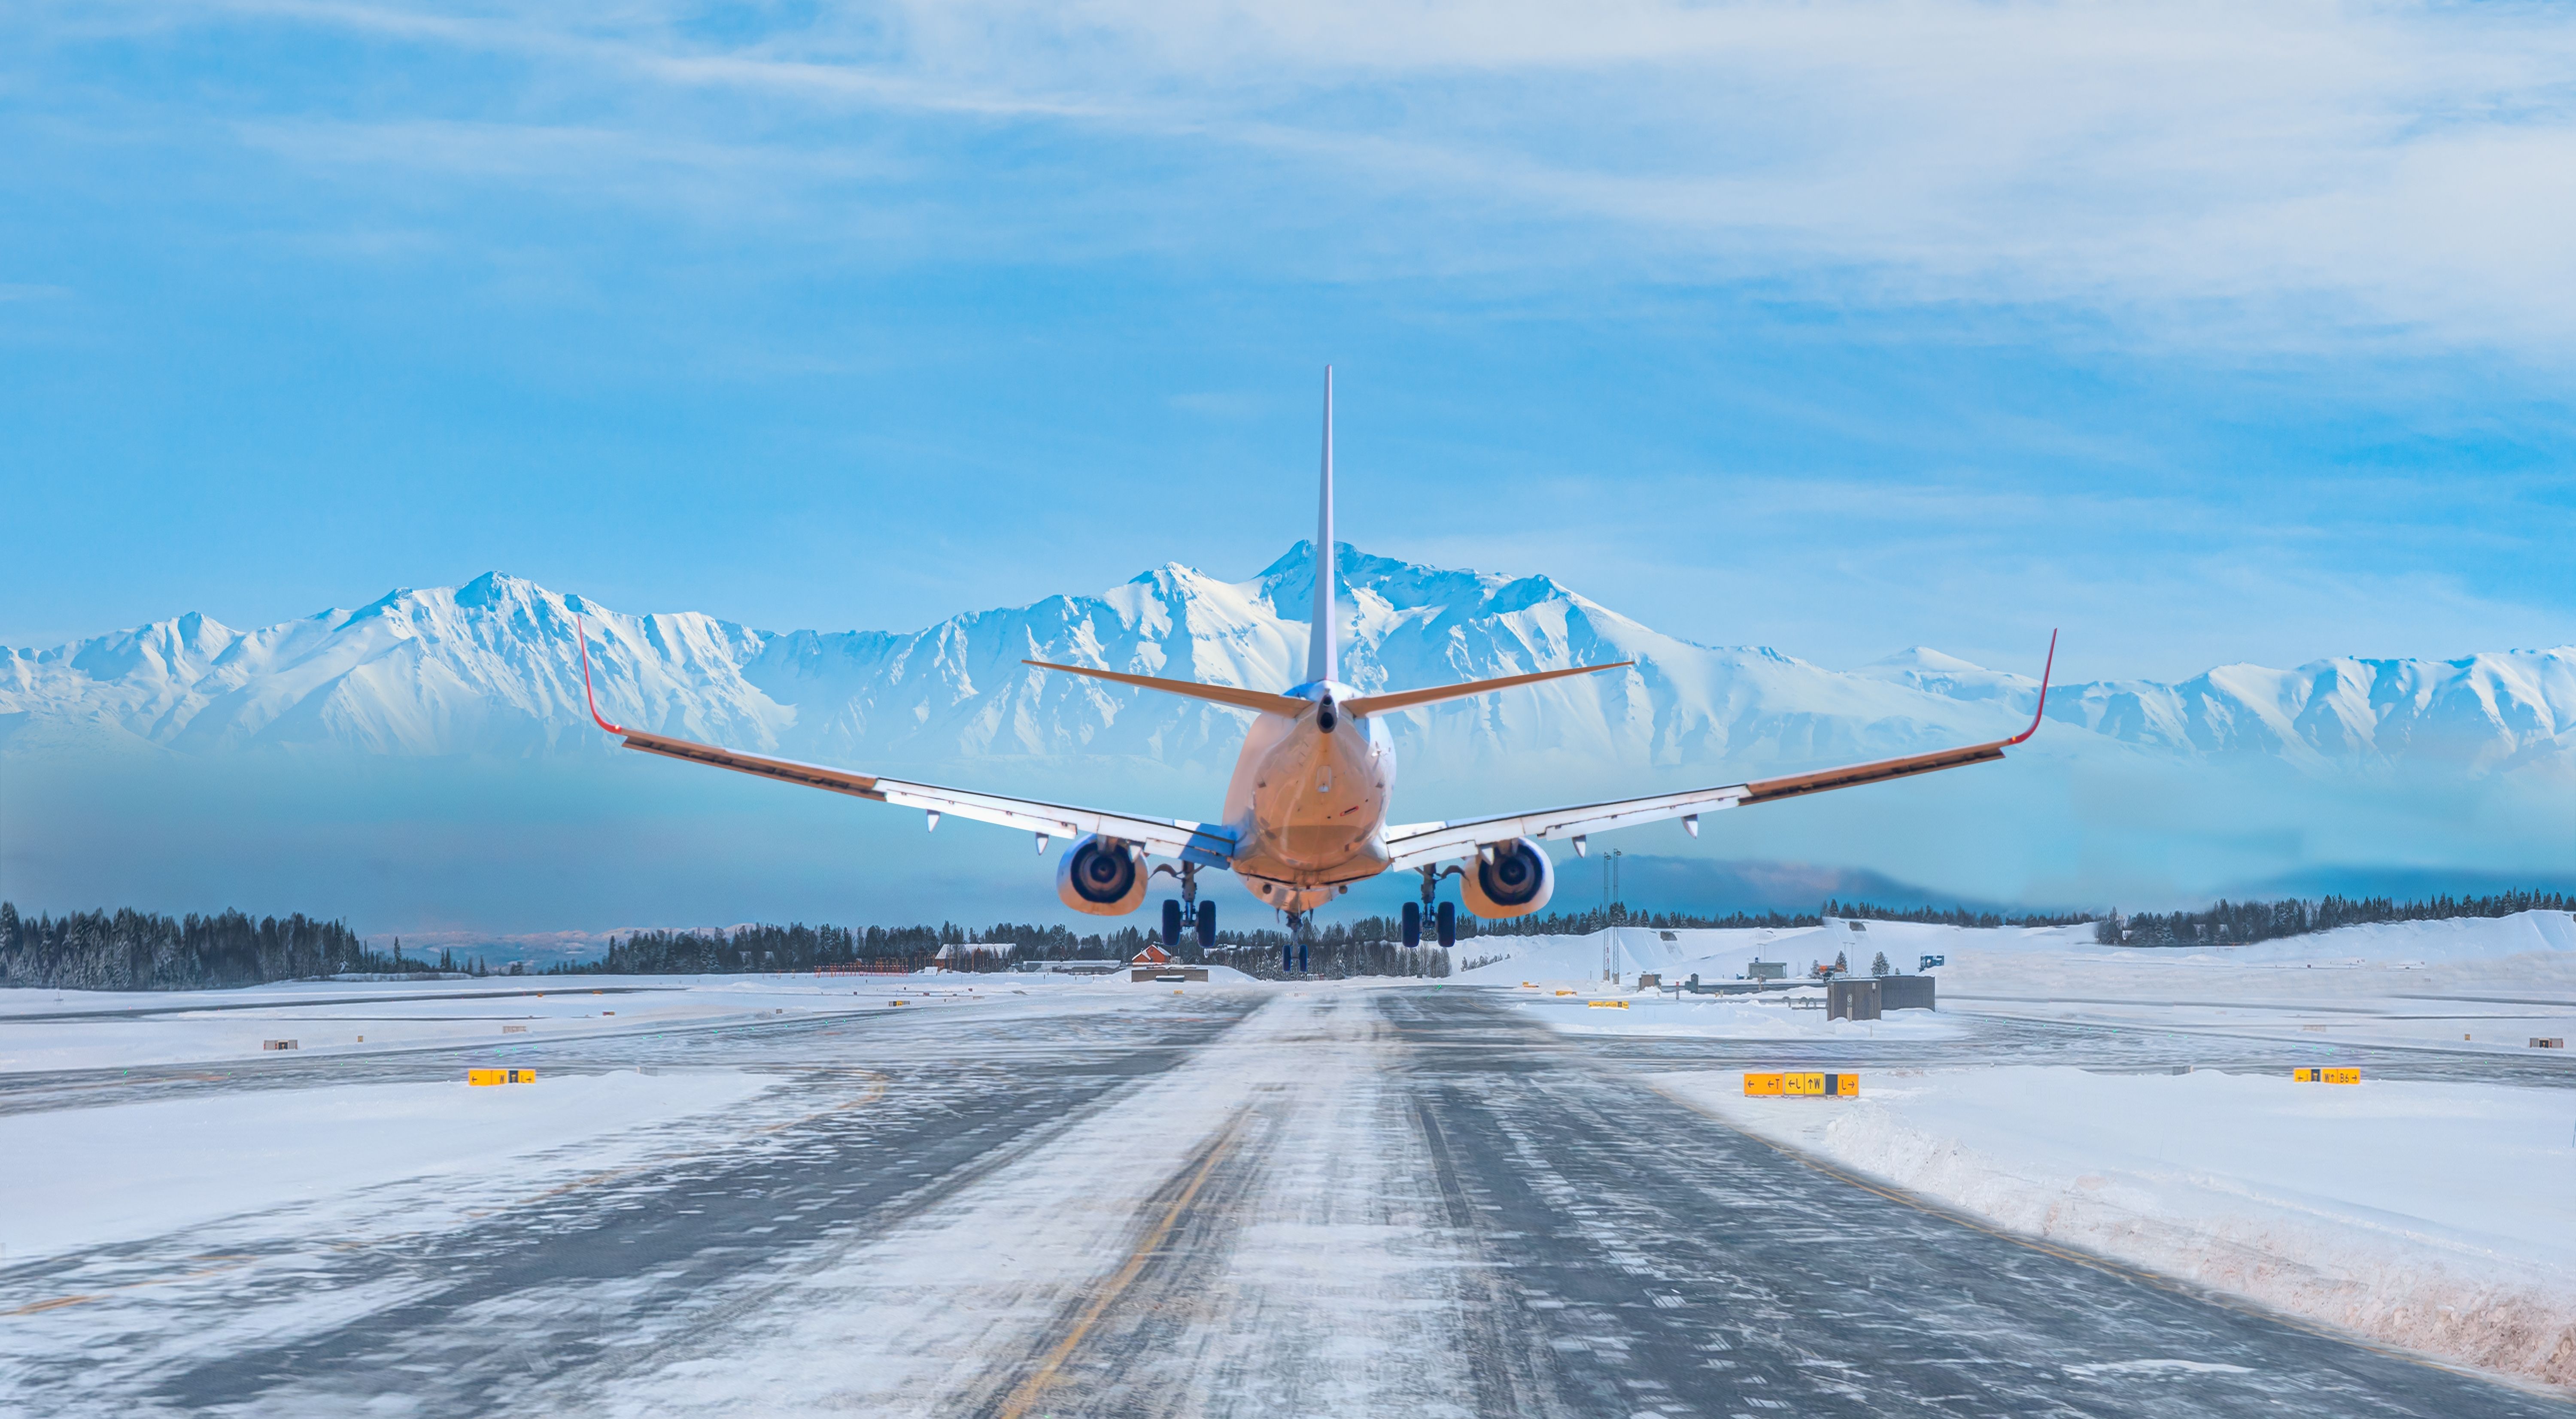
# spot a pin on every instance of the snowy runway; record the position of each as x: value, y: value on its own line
x: 1278, y: 1200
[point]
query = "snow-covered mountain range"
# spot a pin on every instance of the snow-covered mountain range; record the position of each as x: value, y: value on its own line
x: 490, y: 668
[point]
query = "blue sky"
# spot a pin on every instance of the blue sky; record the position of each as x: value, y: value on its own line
x: 2210, y: 333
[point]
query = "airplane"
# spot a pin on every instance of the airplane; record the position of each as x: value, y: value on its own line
x: 1305, y: 814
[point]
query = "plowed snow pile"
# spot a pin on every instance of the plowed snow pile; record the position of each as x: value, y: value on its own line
x: 2440, y: 1217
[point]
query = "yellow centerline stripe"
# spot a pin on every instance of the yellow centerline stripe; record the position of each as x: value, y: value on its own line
x: 1032, y: 1388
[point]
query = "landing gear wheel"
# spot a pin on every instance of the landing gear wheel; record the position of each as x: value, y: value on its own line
x: 1413, y: 923
x: 1171, y: 923
x: 1448, y: 923
x: 1207, y: 926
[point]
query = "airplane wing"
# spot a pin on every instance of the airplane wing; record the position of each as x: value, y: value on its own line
x: 1417, y: 844
x: 1207, y: 844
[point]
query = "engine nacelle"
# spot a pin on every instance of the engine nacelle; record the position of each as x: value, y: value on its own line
x: 1101, y: 876
x: 1517, y: 882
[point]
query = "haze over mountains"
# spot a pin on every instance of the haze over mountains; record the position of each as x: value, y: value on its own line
x: 424, y: 761
x: 490, y: 668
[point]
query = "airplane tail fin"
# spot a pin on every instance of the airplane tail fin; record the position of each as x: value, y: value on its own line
x: 1322, y: 660
x: 1407, y: 699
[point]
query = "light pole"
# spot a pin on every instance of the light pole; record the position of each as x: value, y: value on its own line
x: 1609, y: 933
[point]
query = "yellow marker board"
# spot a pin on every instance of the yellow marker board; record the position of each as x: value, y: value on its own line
x: 1607, y: 1004
x: 482, y: 1077
x: 1803, y: 1086
x: 2327, y: 1076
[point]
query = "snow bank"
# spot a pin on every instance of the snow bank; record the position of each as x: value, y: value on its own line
x: 2433, y: 1216
x: 1715, y: 955
x: 79, y: 1177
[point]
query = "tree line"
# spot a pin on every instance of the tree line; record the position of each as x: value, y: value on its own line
x: 2237, y: 923
x: 131, y: 950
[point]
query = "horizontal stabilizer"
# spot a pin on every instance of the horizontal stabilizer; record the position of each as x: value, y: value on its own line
x: 1407, y: 699
x: 1266, y: 701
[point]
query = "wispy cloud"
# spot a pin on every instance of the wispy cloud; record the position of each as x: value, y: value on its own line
x: 2291, y: 174
x: 2288, y: 176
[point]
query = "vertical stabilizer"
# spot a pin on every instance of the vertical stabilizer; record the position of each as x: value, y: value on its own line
x: 1322, y: 663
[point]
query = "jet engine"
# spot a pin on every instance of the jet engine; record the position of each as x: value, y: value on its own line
x: 1516, y: 882
x: 1101, y: 876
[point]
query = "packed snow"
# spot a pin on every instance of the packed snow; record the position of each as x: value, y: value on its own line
x: 124, y: 1029
x: 81, y: 1177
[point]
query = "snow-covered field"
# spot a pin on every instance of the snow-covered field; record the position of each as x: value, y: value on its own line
x: 2480, y: 985
x: 71, y: 1029
x: 83, y: 1177
x: 2440, y: 1216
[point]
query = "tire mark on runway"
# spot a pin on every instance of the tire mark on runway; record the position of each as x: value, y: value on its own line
x: 1152, y: 1270
x: 1507, y: 1358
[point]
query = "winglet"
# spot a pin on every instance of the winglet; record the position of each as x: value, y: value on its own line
x: 582, y: 633
x: 2043, y: 692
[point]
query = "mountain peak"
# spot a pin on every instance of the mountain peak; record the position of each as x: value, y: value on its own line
x: 495, y: 588
x: 485, y: 668
x: 1925, y: 658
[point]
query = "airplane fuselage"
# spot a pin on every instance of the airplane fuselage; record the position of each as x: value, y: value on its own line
x: 1308, y: 804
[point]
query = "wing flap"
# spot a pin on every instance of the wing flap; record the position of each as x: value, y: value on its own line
x: 1171, y: 837
x: 1419, y: 843
x: 1207, y: 844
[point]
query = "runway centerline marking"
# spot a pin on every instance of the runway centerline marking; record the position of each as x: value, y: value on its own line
x: 1030, y: 1390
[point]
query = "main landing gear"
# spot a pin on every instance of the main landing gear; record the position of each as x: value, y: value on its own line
x: 1199, y: 916
x: 1293, y: 950
x: 1445, y: 916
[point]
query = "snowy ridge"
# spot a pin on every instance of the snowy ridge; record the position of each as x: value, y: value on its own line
x: 490, y: 668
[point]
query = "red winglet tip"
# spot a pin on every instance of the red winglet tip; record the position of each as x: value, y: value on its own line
x: 2044, y: 672
x: 581, y: 633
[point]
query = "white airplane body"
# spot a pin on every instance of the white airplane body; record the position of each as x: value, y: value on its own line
x: 1305, y: 813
